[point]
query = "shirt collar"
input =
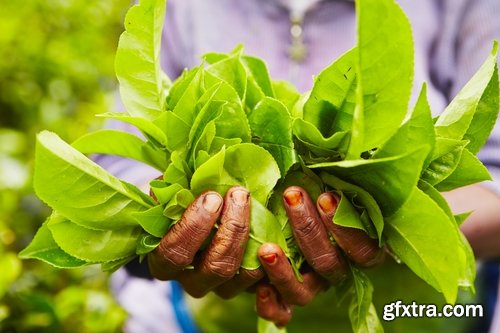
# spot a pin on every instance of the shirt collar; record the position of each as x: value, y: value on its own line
x: 300, y: 7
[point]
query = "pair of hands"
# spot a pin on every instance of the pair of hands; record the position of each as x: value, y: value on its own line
x: 217, y: 268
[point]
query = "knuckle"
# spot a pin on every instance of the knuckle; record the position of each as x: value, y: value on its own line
x: 221, y: 269
x: 330, y: 266
x: 192, y: 212
x: 237, y: 227
x: 193, y: 225
x: 252, y: 275
x: 307, y: 228
x: 178, y: 257
x: 368, y: 256
x: 179, y: 246
x: 325, y: 262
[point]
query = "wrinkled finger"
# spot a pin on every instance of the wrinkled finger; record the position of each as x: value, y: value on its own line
x: 223, y: 256
x: 282, y: 276
x: 312, y: 236
x: 239, y: 283
x: 179, y: 246
x: 270, y: 307
x: 355, y: 243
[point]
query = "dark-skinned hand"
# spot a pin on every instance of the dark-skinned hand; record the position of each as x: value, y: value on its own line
x: 312, y: 225
x: 216, y: 268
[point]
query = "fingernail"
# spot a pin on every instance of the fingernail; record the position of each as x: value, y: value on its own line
x: 270, y: 259
x: 328, y: 203
x: 293, y: 198
x: 264, y: 294
x: 240, y: 197
x: 212, y: 202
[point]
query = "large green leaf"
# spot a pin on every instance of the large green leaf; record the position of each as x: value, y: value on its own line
x: 200, y: 104
x: 418, y: 130
x: 287, y: 94
x: 471, y: 115
x: 346, y: 214
x: 468, y: 275
x: 470, y: 170
x: 177, y: 131
x: 330, y: 105
x: 183, y: 85
x: 209, y: 110
x: 186, y: 107
x: 316, y: 143
x: 153, y: 221
x: 232, y: 122
x: 231, y: 70
x: 389, y: 180
x: 151, y: 130
x: 384, y: 69
x: 137, y: 62
x: 93, y: 245
x: 81, y: 190
x: 444, y: 159
x: 44, y: 248
x: 257, y: 71
x: 175, y: 208
x: 178, y: 171
x: 220, y: 115
x: 229, y: 67
x: 438, y: 198
x: 409, y: 233
x: 112, y: 266
x: 271, y: 128
x: 164, y: 192
x: 121, y: 144
x: 243, y: 164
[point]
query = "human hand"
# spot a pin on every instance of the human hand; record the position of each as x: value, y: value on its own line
x: 216, y: 268
x: 311, y: 224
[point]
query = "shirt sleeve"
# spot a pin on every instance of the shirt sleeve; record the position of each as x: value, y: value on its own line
x: 176, y: 53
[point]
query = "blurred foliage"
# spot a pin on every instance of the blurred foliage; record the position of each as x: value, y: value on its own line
x: 56, y: 73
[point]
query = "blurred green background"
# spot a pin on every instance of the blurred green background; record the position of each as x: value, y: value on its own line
x: 56, y: 73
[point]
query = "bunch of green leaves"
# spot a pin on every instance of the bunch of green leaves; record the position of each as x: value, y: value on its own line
x: 226, y: 123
